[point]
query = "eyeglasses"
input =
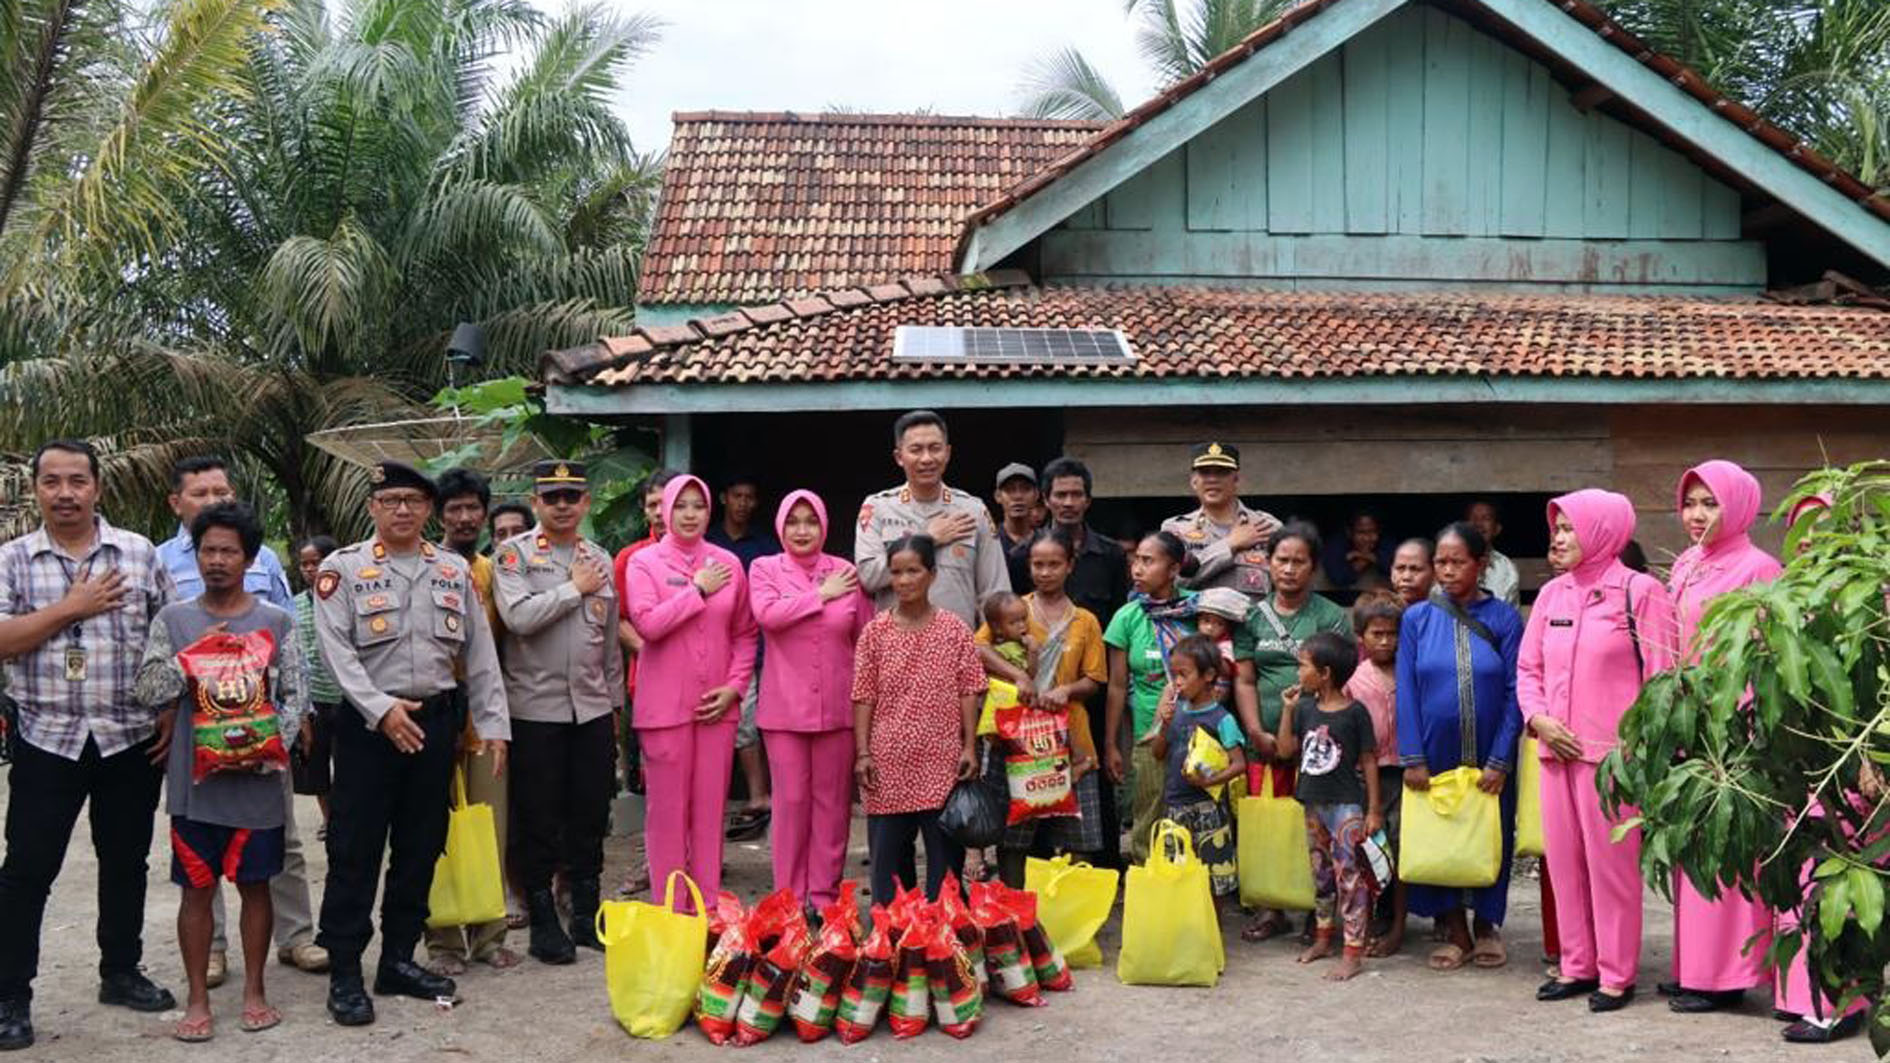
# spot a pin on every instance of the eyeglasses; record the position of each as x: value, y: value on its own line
x: 561, y: 498
x: 410, y: 502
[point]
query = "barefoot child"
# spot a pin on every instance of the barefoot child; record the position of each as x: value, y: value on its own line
x: 1375, y: 618
x: 1338, y: 784
x: 1190, y: 706
x: 229, y: 823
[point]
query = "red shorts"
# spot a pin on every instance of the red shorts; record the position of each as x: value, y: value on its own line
x: 201, y: 853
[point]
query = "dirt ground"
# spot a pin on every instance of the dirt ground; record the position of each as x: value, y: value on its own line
x: 1266, y: 1006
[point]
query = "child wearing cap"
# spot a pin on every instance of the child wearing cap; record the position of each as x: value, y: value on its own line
x: 1219, y: 612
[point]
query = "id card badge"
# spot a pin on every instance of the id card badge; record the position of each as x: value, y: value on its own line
x: 75, y: 664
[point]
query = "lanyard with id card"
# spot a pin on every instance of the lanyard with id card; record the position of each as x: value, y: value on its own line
x: 75, y: 647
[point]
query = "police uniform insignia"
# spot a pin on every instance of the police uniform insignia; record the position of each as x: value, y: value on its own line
x: 562, y: 472
x: 377, y: 475
x: 368, y: 573
x: 866, y: 514
x: 380, y: 552
x: 1214, y: 450
x: 326, y: 583
x: 378, y: 601
x: 426, y: 551
x: 596, y: 607
x: 905, y: 496
x: 452, y: 621
x: 508, y: 558
x: 541, y: 559
x: 544, y: 543
x: 378, y: 625
x: 450, y: 600
x: 449, y: 572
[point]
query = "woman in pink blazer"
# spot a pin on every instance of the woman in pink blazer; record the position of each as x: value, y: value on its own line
x: 1712, y: 967
x: 688, y: 600
x: 811, y: 609
x: 1596, y: 633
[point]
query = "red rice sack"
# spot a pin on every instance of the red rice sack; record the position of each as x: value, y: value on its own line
x: 233, y: 721
x: 1035, y: 744
x: 724, y: 983
x: 957, y: 999
x: 957, y: 914
x: 816, y: 998
x: 1053, y: 972
x: 910, y: 1008
x: 765, y: 1000
x: 1011, y: 974
x: 870, y: 983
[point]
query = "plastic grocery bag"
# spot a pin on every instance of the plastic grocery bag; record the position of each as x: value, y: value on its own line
x: 1035, y: 745
x: 975, y: 813
x: 1451, y: 834
x: 1529, y: 841
x: 1275, y: 866
x: 1206, y: 757
x: 467, y: 888
x: 999, y: 695
x: 653, y: 958
x: 1073, y: 902
x: 1170, y: 933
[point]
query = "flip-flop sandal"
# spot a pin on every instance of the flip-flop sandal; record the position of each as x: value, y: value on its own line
x: 194, y: 1031
x: 517, y: 920
x: 1264, y: 930
x: 500, y: 959
x: 1489, y: 953
x: 1446, y: 957
x: 260, y: 1020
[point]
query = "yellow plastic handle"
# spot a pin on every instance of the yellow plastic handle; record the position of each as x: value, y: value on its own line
x: 1448, y: 791
x: 1158, y: 857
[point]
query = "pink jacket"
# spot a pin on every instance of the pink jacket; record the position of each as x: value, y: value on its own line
x: 1578, y: 661
x: 1726, y: 563
x: 691, y: 644
x: 807, y: 674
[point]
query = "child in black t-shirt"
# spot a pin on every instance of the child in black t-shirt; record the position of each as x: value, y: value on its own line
x: 1338, y: 784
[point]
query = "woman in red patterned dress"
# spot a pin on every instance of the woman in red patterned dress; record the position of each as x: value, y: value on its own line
x: 917, y: 685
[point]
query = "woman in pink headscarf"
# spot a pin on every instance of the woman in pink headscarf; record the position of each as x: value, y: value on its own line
x: 689, y: 602
x: 1597, y: 632
x: 811, y: 608
x: 1712, y: 965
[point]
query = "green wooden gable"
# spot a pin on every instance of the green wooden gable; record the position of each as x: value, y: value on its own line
x: 1421, y: 152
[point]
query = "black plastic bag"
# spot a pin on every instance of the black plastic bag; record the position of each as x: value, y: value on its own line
x: 974, y: 814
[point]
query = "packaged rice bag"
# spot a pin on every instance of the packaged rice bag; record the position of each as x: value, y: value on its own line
x: 1035, y: 744
x: 870, y: 983
x: 233, y: 720
x: 816, y: 997
x: 726, y: 912
x: 904, y: 909
x: 773, y: 916
x: 724, y: 979
x: 769, y: 982
x: 957, y: 1000
x: 1011, y: 974
x: 1053, y: 972
x: 957, y: 914
x: 910, y: 1008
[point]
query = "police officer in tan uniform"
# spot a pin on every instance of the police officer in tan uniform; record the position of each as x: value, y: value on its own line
x: 1227, y: 539
x: 394, y: 614
x: 564, y: 679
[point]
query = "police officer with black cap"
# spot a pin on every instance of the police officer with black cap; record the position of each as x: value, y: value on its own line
x: 394, y: 614
x: 1228, y: 540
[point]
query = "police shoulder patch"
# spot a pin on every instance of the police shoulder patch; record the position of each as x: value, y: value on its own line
x: 326, y: 583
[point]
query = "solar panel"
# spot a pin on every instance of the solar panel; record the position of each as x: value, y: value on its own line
x: 1011, y: 346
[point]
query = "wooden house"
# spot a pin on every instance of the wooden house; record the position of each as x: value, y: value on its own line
x: 1402, y: 252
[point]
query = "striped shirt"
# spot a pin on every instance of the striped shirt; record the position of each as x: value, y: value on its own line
x: 321, y: 682
x: 57, y: 711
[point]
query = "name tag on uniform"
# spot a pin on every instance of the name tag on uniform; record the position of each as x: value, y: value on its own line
x: 1561, y: 623
x: 75, y: 664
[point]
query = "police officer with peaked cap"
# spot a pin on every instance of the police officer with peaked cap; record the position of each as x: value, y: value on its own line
x: 394, y: 613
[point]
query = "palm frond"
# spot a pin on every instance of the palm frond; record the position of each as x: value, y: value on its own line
x: 1064, y: 84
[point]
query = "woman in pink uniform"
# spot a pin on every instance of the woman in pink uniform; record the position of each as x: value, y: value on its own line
x: 1597, y: 632
x: 689, y: 602
x: 811, y: 609
x: 1712, y: 965
x: 1811, y: 1014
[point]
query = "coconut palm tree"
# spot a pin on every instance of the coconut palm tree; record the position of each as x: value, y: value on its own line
x: 1176, y: 37
x: 381, y: 173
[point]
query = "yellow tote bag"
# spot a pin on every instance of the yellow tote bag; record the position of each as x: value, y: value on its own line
x: 1170, y: 933
x: 1275, y: 866
x: 1073, y: 902
x: 1529, y: 840
x: 467, y: 887
x: 653, y: 958
x: 999, y: 695
x: 1451, y: 833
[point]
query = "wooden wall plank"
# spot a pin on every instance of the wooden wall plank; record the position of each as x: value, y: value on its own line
x: 1483, y: 165
x: 1682, y: 204
x: 1525, y: 155
x: 1369, y: 199
x: 1608, y: 169
x: 1404, y: 169
x: 1327, y: 162
x: 1130, y: 206
x: 1227, y: 173
x: 1447, y: 43
x: 1721, y: 210
x: 1290, y: 156
x: 1645, y: 186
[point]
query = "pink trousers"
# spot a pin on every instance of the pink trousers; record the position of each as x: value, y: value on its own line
x: 1792, y: 990
x: 1597, y: 880
x: 813, y: 810
x: 1710, y: 939
x: 685, y: 772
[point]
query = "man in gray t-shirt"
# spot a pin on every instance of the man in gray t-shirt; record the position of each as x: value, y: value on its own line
x: 230, y: 823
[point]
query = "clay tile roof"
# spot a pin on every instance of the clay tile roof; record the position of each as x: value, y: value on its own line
x: 763, y: 206
x: 1685, y: 78
x: 1227, y: 333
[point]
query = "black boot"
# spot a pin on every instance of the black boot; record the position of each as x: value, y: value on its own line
x: 549, y: 942
x: 16, y: 1024
x: 348, y: 1001
x: 584, y: 894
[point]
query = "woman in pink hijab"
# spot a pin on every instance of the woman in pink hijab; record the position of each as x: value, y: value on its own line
x: 1597, y: 632
x: 810, y: 607
x: 1712, y: 965
x: 688, y: 600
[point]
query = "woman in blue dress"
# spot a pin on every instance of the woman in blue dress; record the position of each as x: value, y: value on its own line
x: 1456, y: 707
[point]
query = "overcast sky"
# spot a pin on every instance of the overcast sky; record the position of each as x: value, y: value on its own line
x: 953, y: 57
